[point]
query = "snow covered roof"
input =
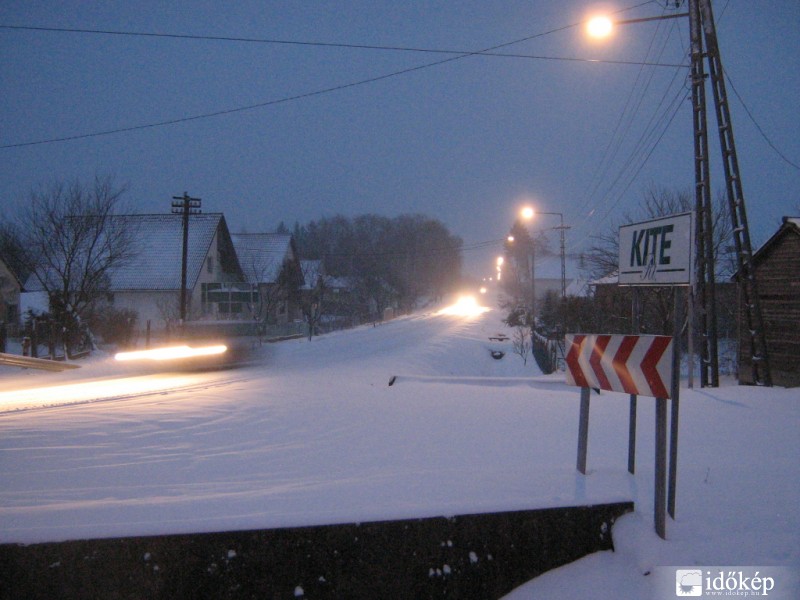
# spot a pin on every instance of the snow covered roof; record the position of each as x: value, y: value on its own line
x: 314, y: 269
x: 261, y: 255
x: 157, y: 258
x: 789, y: 225
x: 157, y: 263
x: 610, y: 279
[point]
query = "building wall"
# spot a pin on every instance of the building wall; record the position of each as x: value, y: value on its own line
x: 778, y: 279
x: 160, y: 306
x: 154, y: 305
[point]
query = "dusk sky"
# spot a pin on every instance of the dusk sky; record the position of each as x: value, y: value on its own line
x: 337, y: 123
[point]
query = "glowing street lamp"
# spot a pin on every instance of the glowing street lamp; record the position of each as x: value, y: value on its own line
x: 599, y: 27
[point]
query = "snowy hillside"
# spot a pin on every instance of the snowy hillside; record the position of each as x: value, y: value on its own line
x: 311, y: 433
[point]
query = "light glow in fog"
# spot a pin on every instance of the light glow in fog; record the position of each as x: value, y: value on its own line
x: 466, y: 306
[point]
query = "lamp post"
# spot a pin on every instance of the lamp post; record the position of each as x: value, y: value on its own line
x: 528, y: 214
x: 705, y: 47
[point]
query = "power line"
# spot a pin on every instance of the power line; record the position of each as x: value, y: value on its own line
x: 615, y: 142
x: 758, y: 127
x: 457, y: 56
x: 351, y: 46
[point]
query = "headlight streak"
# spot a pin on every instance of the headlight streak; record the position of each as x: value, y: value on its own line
x: 170, y: 353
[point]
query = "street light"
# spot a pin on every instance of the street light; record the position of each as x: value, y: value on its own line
x: 599, y: 27
x: 705, y: 47
x: 528, y: 213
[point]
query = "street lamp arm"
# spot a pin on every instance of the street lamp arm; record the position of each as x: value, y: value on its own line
x: 646, y: 19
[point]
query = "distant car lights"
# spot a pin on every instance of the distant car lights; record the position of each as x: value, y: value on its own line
x: 467, y: 306
x: 171, y: 353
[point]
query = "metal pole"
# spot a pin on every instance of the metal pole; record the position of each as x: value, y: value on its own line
x: 709, y: 363
x: 633, y: 397
x: 690, y: 332
x: 660, y: 492
x: 533, y: 284
x: 738, y: 213
x: 675, y: 393
x: 583, y: 430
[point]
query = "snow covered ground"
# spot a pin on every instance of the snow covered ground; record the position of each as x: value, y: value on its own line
x: 311, y: 433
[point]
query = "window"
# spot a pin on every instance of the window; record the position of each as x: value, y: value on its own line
x: 210, y: 264
x: 228, y: 297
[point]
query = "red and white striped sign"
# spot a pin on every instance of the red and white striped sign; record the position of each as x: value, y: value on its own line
x: 633, y: 364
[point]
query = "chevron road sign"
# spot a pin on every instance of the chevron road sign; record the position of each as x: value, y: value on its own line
x: 640, y: 365
x: 632, y: 364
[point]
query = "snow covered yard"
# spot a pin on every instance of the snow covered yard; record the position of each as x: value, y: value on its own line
x: 311, y: 433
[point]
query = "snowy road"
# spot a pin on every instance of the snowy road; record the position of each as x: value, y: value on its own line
x: 312, y: 433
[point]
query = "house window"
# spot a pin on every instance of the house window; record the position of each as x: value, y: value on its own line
x: 210, y: 264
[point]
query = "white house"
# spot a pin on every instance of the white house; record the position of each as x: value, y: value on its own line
x: 271, y: 266
x: 149, y: 283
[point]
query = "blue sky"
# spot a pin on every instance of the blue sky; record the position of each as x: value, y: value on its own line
x: 466, y: 141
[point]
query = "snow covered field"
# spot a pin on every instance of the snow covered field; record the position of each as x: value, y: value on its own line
x: 311, y: 433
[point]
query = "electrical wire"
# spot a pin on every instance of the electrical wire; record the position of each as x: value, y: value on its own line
x: 296, y: 97
x: 758, y: 127
x: 616, y: 139
x: 642, y: 149
x: 332, y: 44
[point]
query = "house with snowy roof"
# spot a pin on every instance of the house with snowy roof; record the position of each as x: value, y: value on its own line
x: 149, y: 282
x: 776, y: 265
x: 271, y: 266
x: 335, y: 293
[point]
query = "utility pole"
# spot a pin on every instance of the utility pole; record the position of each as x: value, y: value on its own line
x: 705, y: 276
x: 702, y: 29
x: 184, y: 205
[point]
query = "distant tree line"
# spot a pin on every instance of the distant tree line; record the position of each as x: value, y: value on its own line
x: 385, y: 261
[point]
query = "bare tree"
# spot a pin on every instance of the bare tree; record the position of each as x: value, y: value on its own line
x: 72, y: 244
x: 521, y: 343
x: 602, y: 258
x: 315, y: 295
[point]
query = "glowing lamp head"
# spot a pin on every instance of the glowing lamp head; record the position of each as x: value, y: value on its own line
x: 527, y: 213
x: 599, y: 27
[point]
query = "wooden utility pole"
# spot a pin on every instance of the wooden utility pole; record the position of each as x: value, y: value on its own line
x: 184, y: 205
